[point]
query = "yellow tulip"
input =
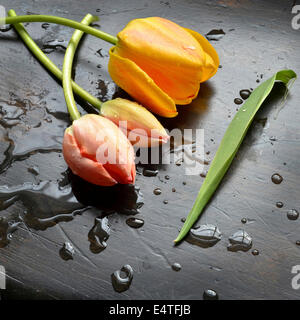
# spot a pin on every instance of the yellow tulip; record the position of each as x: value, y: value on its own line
x: 161, y: 64
x: 140, y: 125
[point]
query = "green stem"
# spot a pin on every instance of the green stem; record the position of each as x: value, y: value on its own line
x: 48, y: 64
x: 67, y: 69
x: 63, y: 21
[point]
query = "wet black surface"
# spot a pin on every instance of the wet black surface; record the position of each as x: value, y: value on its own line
x: 53, y: 207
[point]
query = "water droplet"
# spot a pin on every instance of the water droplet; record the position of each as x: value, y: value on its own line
x: 150, y: 173
x: 106, y: 89
x: 189, y: 47
x: 167, y: 177
x: 209, y: 294
x: 279, y: 204
x: 273, y: 138
x: 184, y: 183
x: 99, y: 52
x: 157, y: 191
x: 240, y: 240
x: 203, y: 174
x: 135, y: 222
x: 255, y: 252
x: 245, y: 94
x: 34, y: 170
x: 276, y: 178
x: 179, y: 162
x: 99, y: 234
x: 48, y: 119
x: 183, y: 219
x: 119, y: 283
x: 173, y: 190
x: 6, y: 28
x: 205, y: 236
x: 176, y: 266
x: 67, y: 251
x: 238, y: 101
x: 244, y: 220
x: 45, y: 25
x: 298, y: 242
x: 215, y: 35
x: 53, y: 45
x: 293, y: 214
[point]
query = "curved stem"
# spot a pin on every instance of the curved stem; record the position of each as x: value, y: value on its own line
x: 48, y: 64
x: 63, y: 21
x: 67, y: 69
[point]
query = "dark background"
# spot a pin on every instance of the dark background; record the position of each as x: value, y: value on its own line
x: 259, y: 40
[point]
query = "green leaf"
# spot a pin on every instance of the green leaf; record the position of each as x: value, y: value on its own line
x: 229, y: 145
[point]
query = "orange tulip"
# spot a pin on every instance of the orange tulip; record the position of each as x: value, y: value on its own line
x: 97, y: 150
x: 161, y: 64
x: 140, y: 125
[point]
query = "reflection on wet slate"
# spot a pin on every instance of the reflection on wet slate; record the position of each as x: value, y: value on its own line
x: 125, y: 199
x: 26, y: 129
x: 240, y: 241
x: 45, y: 205
x: 48, y: 202
x: 7, y: 227
x: 205, y: 236
x: 99, y: 234
x: 119, y: 283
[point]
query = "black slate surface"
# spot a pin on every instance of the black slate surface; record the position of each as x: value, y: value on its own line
x: 258, y: 41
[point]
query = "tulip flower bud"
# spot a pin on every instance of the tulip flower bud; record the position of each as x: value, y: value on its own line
x: 97, y: 150
x: 161, y: 64
x: 140, y: 125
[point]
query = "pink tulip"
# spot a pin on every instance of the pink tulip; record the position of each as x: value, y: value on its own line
x: 97, y: 150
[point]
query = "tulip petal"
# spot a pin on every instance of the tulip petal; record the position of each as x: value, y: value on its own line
x: 179, y: 83
x: 86, y: 168
x: 168, y: 53
x: 98, y: 151
x: 141, y: 126
x: 212, y: 59
x: 101, y: 140
x: 139, y: 85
